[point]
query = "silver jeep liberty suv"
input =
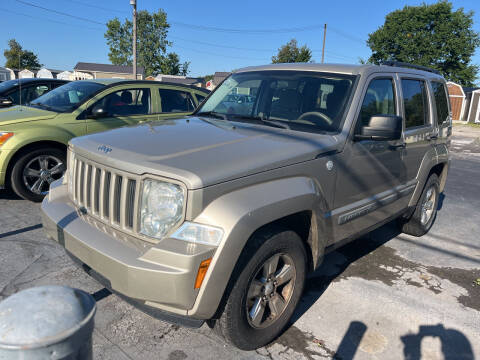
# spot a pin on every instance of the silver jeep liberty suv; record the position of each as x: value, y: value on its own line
x: 220, y: 215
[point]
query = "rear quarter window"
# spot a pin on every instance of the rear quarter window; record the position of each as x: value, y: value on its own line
x: 441, y: 101
x: 415, y: 100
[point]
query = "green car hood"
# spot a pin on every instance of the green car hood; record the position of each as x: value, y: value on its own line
x: 16, y: 114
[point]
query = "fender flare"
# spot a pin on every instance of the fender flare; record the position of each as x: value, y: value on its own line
x: 240, y: 213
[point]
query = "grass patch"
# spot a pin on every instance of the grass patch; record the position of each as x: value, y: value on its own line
x: 477, y: 126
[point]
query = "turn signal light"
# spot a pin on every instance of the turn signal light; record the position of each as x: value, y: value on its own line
x: 4, y: 136
x: 202, y: 271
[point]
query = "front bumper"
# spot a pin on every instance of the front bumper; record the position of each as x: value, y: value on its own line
x: 158, y: 275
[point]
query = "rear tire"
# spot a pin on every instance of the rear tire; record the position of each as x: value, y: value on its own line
x: 423, y: 217
x: 34, y: 171
x: 268, y: 283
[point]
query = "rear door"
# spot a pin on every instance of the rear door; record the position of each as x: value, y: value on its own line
x: 420, y: 130
x: 175, y: 101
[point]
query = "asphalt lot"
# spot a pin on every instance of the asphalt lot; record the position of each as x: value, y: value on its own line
x: 385, y: 296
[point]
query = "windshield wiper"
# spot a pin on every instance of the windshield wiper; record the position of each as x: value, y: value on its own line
x: 40, y: 105
x: 213, y: 114
x: 259, y: 119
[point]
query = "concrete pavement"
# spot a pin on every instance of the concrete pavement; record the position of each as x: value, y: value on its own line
x: 385, y: 296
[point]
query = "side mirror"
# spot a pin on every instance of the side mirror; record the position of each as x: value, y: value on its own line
x: 97, y: 112
x: 381, y: 128
x: 5, y: 101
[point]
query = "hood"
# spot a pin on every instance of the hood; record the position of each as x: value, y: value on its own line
x: 14, y: 114
x: 201, y: 152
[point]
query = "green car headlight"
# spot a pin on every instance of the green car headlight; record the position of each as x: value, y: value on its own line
x: 161, y: 207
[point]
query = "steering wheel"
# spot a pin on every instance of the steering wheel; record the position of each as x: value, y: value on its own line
x: 318, y: 114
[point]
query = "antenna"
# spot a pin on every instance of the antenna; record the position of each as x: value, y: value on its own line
x: 19, y: 81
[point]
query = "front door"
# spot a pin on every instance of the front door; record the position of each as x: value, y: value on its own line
x: 122, y: 107
x: 370, y: 174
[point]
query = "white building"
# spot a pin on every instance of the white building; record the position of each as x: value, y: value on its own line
x: 66, y: 75
x: 4, y: 74
x: 26, y: 74
x: 44, y: 73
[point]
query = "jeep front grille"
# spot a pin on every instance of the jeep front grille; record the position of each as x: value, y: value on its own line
x: 107, y: 194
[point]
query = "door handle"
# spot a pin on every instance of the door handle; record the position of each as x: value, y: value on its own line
x: 398, y: 146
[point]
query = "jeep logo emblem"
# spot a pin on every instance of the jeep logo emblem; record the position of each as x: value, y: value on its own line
x: 104, y: 148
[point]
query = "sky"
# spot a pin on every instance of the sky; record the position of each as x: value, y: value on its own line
x: 60, y: 41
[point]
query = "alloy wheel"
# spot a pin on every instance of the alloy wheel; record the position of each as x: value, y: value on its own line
x: 428, y: 205
x: 41, y: 171
x: 270, y: 290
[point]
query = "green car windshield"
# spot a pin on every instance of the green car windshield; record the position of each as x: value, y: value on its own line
x: 302, y: 101
x: 68, y: 97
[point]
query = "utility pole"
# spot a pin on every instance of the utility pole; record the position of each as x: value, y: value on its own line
x: 324, y: 36
x: 134, y: 4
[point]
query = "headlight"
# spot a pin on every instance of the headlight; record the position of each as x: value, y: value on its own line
x: 4, y: 136
x: 161, y: 208
x: 199, y: 234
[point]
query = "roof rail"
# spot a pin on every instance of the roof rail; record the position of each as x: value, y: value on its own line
x: 408, y: 65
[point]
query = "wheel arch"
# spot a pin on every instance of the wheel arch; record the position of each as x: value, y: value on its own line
x: 299, y: 205
x: 30, y: 147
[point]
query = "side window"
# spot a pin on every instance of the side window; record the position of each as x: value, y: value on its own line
x: 176, y: 101
x: 126, y: 102
x: 379, y: 100
x: 415, y: 102
x: 29, y: 93
x: 441, y: 101
x: 200, y: 98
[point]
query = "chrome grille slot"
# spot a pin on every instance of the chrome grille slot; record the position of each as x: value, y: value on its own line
x: 96, y: 192
x: 88, y: 187
x: 107, y: 194
x: 117, y: 193
x: 130, y: 203
x: 82, y: 182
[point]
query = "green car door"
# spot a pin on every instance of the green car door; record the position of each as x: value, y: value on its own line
x: 120, y: 106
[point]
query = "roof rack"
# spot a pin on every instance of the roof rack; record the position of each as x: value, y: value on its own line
x: 408, y: 65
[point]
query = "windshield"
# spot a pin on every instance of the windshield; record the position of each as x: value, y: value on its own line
x: 304, y: 101
x: 7, y: 85
x: 68, y: 97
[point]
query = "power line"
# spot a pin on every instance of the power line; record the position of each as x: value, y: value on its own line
x: 198, y: 27
x: 98, y: 7
x: 218, y: 45
x: 59, y: 12
x: 247, y: 31
x: 9, y: 11
x: 220, y: 55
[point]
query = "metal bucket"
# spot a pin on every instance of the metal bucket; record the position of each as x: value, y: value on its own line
x: 47, y: 322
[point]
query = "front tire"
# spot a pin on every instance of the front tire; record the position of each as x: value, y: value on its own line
x: 34, y: 171
x: 269, y: 280
x: 425, y: 212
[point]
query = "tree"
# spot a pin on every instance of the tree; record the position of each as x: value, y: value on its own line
x: 152, y: 30
x: 291, y: 53
x: 17, y: 58
x: 429, y: 35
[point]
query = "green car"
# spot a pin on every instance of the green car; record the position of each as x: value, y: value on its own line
x: 34, y: 138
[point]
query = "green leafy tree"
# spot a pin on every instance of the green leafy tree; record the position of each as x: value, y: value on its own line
x: 17, y: 58
x: 429, y: 35
x: 291, y: 53
x: 152, y: 31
